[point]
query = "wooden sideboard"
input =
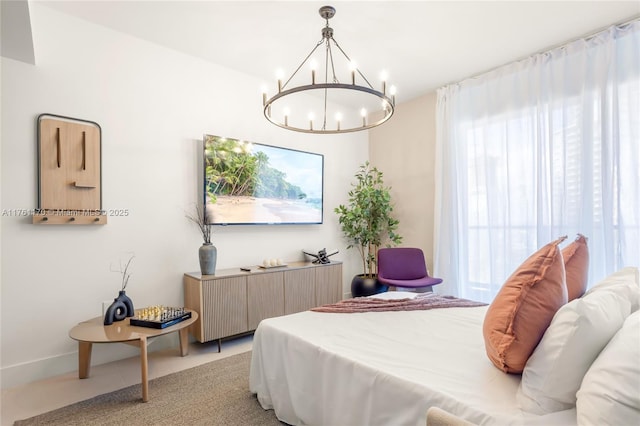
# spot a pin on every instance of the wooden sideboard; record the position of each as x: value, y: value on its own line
x: 233, y: 301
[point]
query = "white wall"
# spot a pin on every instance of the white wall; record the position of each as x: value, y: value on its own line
x: 404, y: 150
x: 154, y: 105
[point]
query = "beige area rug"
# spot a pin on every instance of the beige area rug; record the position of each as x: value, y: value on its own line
x: 216, y: 393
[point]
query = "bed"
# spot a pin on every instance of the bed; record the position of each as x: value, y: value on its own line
x: 390, y: 368
x: 384, y: 368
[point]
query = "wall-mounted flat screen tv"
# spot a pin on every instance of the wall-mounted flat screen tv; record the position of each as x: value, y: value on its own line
x: 247, y: 183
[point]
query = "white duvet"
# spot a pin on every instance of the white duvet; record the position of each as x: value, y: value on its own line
x: 383, y: 368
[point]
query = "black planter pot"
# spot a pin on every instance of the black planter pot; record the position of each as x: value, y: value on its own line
x: 361, y: 285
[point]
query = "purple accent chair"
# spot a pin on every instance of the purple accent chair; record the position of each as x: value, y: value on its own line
x: 404, y: 267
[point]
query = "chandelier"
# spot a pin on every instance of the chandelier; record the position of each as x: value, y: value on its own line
x: 331, y: 104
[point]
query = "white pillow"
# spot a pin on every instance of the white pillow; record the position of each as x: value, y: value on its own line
x: 394, y: 295
x: 578, y: 332
x: 626, y: 282
x: 610, y: 391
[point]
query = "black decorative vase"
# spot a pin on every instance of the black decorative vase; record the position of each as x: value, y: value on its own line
x: 361, y: 285
x: 121, y: 308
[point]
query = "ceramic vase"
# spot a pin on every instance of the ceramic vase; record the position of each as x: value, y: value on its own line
x: 121, y: 308
x: 208, y: 257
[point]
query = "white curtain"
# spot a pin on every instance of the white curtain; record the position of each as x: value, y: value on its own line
x: 544, y: 147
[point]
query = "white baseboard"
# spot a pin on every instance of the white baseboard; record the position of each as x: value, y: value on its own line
x: 40, y: 369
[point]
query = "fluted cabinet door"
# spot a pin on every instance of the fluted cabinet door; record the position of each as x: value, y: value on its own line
x: 265, y: 297
x: 299, y: 290
x: 328, y: 284
x: 225, y: 302
x: 193, y: 300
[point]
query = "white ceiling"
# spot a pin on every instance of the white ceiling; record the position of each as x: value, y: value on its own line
x: 421, y: 44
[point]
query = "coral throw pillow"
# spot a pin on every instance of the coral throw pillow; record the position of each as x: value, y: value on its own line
x: 576, y: 266
x: 523, y: 309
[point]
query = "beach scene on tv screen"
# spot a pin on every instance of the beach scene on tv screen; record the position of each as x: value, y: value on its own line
x: 251, y: 183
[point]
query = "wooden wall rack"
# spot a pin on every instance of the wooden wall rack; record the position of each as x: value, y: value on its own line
x: 69, y: 171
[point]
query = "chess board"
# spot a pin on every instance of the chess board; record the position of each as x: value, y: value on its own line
x: 159, y: 316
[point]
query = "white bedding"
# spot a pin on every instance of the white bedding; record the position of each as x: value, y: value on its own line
x: 383, y: 368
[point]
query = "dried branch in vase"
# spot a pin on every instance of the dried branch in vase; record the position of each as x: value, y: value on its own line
x: 125, y: 274
x: 200, y: 219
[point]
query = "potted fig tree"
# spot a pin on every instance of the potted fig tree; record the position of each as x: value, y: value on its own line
x: 367, y: 223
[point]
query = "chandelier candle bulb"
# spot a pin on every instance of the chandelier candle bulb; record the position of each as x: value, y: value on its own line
x: 279, y: 77
x: 286, y: 113
x: 353, y: 67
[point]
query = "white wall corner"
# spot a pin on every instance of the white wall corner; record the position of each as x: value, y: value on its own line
x: 16, y: 35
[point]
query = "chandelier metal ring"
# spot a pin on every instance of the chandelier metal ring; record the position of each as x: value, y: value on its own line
x: 320, y: 86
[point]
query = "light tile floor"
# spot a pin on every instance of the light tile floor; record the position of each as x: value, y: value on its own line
x: 45, y: 395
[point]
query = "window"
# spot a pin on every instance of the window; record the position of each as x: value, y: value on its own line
x: 542, y: 148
